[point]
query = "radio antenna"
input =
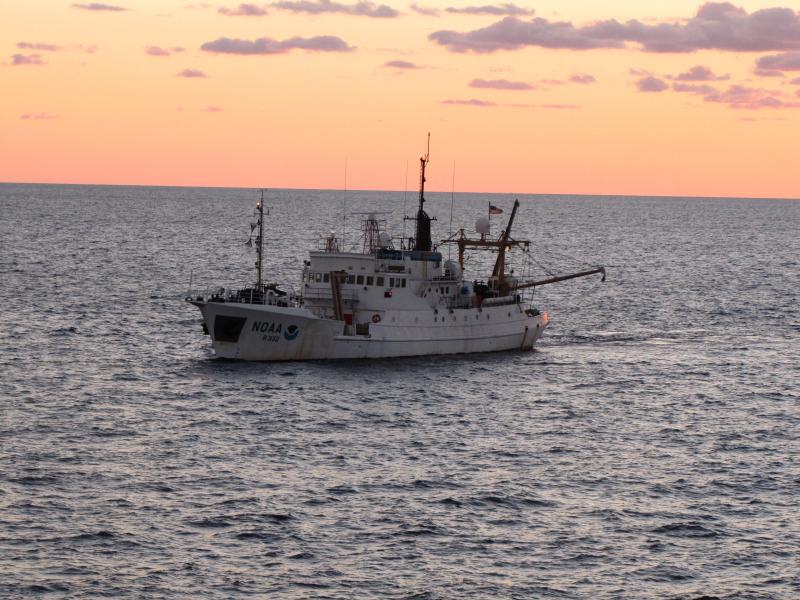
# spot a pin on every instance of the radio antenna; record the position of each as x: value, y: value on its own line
x: 344, y: 208
x: 452, y: 202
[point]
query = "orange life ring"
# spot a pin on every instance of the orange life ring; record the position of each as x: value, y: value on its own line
x: 376, y: 318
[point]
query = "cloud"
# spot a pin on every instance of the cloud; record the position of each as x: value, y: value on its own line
x: 471, y: 102
x: 191, y: 73
x: 213, y: 109
x: 788, y: 61
x: 100, y: 6
x: 400, y: 64
x: 321, y: 43
x: 795, y: 81
x: 27, y: 59
x: 768, y: 73
x: 158, y: 51
x: 37, y: 116
x: 425, y: 11
x: 583, y: 78
x: 364, y: 8
x: 507, y: 9
x: 700, y: 73
x: 500, y: 84
x: 39, y: 46
x: 651, y: 84
x: 716, y: 26
x: 244, y: 10
x: 694, y: 88
x: 749, y: 98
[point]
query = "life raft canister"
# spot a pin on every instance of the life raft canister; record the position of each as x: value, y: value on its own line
x: 376, y: 318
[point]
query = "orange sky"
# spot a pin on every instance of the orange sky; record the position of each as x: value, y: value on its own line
x: 83, y: 102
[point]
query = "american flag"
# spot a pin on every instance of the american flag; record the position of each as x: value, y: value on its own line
x: 493, y: 210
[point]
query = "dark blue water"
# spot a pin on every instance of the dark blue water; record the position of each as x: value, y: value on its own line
x: 647, y: 449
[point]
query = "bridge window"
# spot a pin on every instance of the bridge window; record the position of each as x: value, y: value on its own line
x: 379, y: 281
x: 360, y: 280
x: 326, y: 277
x: 351, y: 279
x: 318, y: 277
x: 370, y: 280
x: 403, y: 283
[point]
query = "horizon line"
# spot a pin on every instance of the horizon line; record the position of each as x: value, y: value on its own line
x: 220, y: 187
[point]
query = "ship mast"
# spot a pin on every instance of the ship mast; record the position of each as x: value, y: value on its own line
x: 260, y: 241
x: 422, y: 239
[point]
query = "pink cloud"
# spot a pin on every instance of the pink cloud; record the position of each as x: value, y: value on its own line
x: 400, y: 64
x: 768, y: 73
x: 158, y: 51
x: 795, y: 81
x: 507, y: 9
x: 582, y: 78
x: 701, y: 73
x: 39, y: 46
x: 37, y: 116
x: 470, y: 102
x: 651, y: 84
x: 748, y: 98
x: 788, y: 61
x: 716, y: 26
x: 694, y: 88
x: 244, y: 10
x: 213, y: 109
x: 26, y: 59
x: 364, y: 8
x: 500, y: 84
x: 191, y: 73
x: 425, y: 11
x: 100, y: 6
x: 322, y: 43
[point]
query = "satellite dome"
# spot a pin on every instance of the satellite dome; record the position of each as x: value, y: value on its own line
x: 482, y: 225
x: 385, y: 239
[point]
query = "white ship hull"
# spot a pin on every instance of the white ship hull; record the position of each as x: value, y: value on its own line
x: 262, y: 332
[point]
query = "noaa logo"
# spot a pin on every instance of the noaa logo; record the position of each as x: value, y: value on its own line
x: 291, y: 332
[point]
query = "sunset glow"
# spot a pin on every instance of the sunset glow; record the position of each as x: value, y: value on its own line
x: 623, y: 97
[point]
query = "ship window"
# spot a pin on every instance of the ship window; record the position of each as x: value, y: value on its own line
x: 351, y: 279
x: 318, y: 277
x: 403, y: 283
x: 360, y: 280
x: 379, y: 281
x: 326, y: 277
x: 370, y: 280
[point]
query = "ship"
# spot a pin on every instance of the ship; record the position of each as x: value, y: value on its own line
x: 393, y: 298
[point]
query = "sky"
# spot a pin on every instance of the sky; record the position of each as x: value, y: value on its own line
x: 555, y: 96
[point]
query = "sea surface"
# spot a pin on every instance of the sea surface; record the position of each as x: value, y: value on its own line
x: 648, y: 448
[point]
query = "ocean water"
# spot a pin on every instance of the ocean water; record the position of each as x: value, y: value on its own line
x: 648, y: 447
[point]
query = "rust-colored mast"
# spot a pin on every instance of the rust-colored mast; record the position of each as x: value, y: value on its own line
x: 500, y: 262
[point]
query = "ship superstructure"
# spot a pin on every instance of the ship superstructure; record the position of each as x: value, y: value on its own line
x: 394, y: 298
